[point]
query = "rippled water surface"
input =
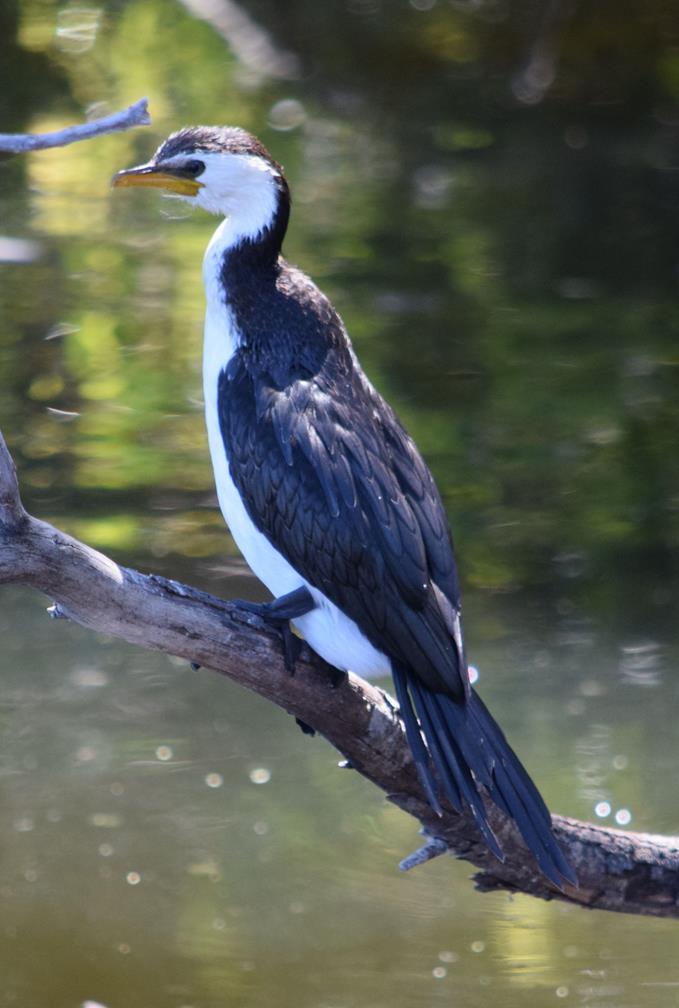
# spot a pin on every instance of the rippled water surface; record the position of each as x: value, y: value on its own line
x: 489, y: 194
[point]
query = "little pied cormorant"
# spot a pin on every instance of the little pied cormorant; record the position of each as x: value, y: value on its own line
x: 324, y: 492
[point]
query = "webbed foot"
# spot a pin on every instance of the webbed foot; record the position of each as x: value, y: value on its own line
x: 277, y: 614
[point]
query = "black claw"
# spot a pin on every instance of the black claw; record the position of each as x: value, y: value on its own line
x: 337, y: 677
x: 292, y: 646
x: 277, y: 615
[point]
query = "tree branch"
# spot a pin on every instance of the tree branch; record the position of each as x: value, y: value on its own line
x: 19, y: 143
x: 628, y: 872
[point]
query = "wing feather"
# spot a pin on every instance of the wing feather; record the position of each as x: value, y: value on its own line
x: 371, y: 534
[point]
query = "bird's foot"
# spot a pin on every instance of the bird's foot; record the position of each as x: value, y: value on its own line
x: 337, y: 676
x: 277, y: 615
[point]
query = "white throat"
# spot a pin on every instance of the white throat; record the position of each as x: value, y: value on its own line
x: 222, y: 337
x: 243, y: 188
x: 240, y: 187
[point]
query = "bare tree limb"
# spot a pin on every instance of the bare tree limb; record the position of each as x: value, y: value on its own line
x: 628, y: 872
x: 19, y: 143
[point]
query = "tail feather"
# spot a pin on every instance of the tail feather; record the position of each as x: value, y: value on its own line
x: 450, y: 786
x: 508, y: 758
x: 469, y: 751
x: 450, y: 761
x: 417, y: 747
x: 537, y: 816
x: 538, y: 837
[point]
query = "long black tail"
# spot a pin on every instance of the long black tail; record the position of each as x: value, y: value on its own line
x: 468, y: 750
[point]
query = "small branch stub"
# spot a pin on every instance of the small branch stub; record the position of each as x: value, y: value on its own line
x: 433, y: 847
x: 11, y: 508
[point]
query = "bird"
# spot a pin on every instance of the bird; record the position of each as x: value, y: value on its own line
x: 325, y: 493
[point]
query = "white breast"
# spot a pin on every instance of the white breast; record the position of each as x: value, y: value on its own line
x: 334, y: 636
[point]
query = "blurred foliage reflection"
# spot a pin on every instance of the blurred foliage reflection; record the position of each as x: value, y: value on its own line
x: 531, y: 264
x: 489, y: 193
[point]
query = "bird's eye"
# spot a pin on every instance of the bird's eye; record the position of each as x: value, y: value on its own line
x: 193, y: 168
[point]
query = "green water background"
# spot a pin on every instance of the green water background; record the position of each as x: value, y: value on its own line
x: 489, y: 192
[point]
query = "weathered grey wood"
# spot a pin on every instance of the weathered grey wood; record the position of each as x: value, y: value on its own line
x: 628, y: 872
x: 134, y: 115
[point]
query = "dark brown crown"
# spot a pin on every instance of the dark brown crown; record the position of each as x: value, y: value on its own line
x: 213, y: 139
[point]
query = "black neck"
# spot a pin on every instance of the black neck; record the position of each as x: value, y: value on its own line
x: 257, y: 256
x: 287, y: 326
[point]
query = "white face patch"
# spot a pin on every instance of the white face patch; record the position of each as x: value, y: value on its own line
x: 238, y: 186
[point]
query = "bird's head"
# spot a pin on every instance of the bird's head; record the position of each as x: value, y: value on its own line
x: 222, y: 169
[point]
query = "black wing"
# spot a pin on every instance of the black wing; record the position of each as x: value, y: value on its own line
x: 331, y: 478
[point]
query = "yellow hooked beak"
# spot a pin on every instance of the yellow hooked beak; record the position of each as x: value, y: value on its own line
x: 155, y: 177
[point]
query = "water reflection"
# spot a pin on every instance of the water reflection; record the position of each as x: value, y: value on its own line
x: 508, y: 273
x: 282, y: 877
x: 76, y: 29
x: 642, y: 664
